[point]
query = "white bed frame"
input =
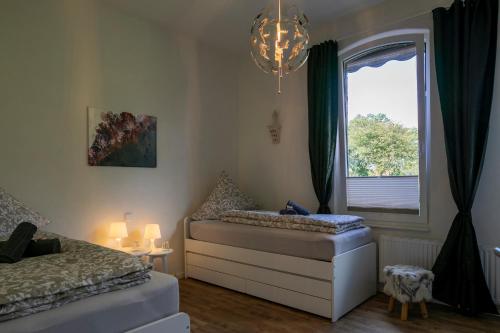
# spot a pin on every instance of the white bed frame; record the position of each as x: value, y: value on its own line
x: 177, y: 323
x: 328, y: 289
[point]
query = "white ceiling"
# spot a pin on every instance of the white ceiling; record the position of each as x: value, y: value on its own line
x: 226, y: 23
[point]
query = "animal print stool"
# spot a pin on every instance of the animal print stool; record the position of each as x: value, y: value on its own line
x: 408, y: 284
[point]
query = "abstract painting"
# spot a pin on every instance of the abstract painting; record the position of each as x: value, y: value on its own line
x: 121, y: 139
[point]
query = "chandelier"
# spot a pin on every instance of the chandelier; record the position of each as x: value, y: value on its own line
x: 279, y: 40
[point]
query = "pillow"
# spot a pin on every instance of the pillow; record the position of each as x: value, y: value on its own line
x: 225, y: 196
x: 13, y: 212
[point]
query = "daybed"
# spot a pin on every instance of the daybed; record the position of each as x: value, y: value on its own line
x: 321, y: 273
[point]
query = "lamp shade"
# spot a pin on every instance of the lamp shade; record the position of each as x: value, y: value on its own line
x: 152, y: 231
x: 118, y: 230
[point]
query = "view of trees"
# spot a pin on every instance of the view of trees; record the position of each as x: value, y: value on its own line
x: 377, y: 146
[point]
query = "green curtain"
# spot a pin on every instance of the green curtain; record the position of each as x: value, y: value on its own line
x: 322, y: 94
x: 465, y: 41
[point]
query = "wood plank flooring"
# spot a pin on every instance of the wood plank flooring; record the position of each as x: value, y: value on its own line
x: 219, y: 310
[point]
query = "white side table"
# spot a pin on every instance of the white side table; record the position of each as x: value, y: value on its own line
x: 163, y: 254
x: 136, y: 252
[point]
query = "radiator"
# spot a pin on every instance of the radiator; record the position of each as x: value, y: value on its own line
x: 423, y: 253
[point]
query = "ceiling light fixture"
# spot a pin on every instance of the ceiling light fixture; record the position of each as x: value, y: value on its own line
x: 279, y: 40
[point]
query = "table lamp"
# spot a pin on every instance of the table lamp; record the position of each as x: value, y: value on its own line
x: 152, y: 232
x: 118, y: 230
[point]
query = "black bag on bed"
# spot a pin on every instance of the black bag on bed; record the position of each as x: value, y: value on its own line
x: 13, y: 249
x: 40, y: 247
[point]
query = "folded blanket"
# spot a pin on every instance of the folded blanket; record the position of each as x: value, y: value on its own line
x: 327, y: 223
x: 81, y: 270
x: 13, y: 249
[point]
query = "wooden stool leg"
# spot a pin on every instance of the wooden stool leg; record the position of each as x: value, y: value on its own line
x: 391, y: 304
x: 404, y: 311
x: 423, y: 310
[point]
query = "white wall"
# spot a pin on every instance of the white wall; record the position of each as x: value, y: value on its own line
x: 486, y: 209
x: 57, y: 58
x: 276, y: 173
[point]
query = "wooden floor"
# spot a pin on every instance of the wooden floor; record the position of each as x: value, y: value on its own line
x: 219, y: 310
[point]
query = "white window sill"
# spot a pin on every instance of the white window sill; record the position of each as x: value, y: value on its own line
x: 413, y: 226
x: 393, y: 221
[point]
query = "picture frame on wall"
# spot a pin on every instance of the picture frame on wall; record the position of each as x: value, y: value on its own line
x: 121, y: 139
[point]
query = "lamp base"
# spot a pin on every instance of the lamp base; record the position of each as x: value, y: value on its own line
x: 152, y: 245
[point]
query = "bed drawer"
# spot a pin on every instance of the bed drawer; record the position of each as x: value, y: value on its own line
x: 301, y: 284
x: 315, y: 269
x: 291, y: 298
x: 316, y: 305
x: 220, y: 279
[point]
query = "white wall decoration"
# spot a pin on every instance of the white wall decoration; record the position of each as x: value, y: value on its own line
x: 275, y: 128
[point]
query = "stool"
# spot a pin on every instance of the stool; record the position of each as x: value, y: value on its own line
x: 408, y: 284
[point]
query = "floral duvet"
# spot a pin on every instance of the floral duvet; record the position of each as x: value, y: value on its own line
x: 327, y: 223
x: 81, y: 270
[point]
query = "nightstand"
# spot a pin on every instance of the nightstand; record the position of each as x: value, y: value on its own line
x: 136, y: 252
x: 163, y: 254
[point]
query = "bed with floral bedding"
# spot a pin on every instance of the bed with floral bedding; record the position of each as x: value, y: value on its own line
x: 84, y: 288
x: 81, y: 270
x: 322, y: 264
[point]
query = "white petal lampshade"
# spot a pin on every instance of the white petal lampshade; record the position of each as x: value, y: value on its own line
x: 118, y: 230
x: 152, y: 231
x: 279, y: 40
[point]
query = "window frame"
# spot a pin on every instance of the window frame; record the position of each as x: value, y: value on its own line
x: 397, y: 220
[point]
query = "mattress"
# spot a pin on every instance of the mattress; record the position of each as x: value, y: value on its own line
x: 116, y: 311
x: 297, y: 243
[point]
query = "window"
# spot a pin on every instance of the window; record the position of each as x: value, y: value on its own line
x: 384, y: 123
